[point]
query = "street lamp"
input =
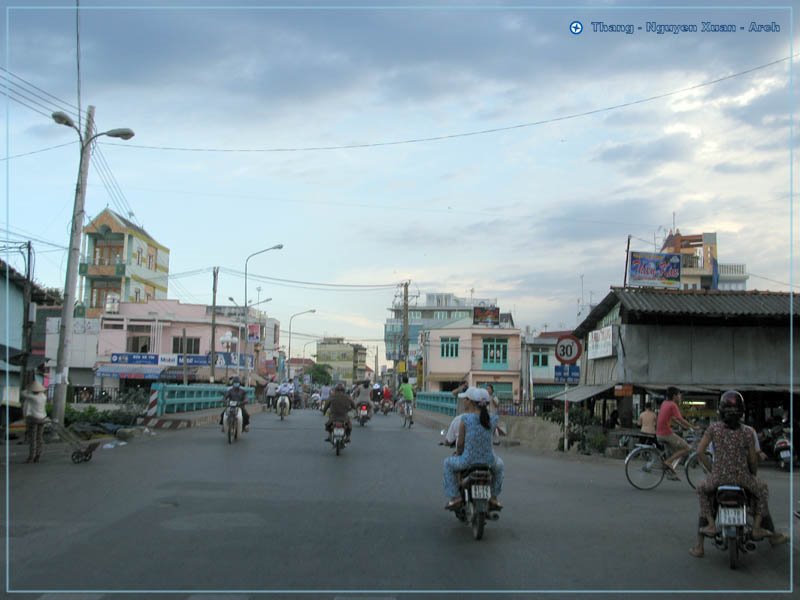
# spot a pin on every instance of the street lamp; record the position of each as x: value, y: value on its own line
x: 227, y: 339
x: 246, y: 309
x: 65, y: 328
x: 289, y: 356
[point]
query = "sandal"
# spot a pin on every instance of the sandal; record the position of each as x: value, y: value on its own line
x: 696, y: 552
x: 759, y: 534
x: 778, y: 538
x: 453, y: 504
x: 495, y: 505
x: 708, y: 531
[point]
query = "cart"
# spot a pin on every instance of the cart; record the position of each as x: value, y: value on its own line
x: 80, y: 452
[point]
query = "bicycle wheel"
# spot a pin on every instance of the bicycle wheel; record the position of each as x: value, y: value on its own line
x: 695, y: 471
x: 644, y: 469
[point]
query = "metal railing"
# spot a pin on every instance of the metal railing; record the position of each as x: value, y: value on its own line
x: 174, y: 398
x: 439, y: 402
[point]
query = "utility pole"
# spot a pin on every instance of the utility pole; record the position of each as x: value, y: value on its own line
x: 185, y: 362
x: 27, y: 325
x: 214, y: 324
x: 627, y: 257
x: 404, y: 348
x: 65, y: 328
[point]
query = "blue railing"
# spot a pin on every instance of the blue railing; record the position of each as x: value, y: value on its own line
x: 440, y: 402
x: 173, y: 398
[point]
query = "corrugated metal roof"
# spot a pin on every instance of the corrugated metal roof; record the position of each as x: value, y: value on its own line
x: 707, y: 302
x: 695, y: 303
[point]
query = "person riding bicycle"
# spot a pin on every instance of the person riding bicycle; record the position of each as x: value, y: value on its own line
x: 340, y: 405
x: 668, y: 414
x: 236, y: 392
x: 406, y: 393
x: 474, y: 446
x: 735, y: 463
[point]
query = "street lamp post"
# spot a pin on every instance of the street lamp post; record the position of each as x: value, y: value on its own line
x: 246, y: 308
x: 289, y: 356
x: 65, y: 329
x: 247, y: 364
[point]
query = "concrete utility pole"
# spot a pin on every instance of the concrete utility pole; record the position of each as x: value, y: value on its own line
x: 214, y: 324
x: 27, y: 325
x: 73, y: 256
x: 65, y: 328
x: 185, y: 362
x: 405, y: 325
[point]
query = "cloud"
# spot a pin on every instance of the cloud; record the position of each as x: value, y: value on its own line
x: 639, y: 157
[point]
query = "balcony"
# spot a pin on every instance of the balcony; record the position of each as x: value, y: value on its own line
x: 102, y: 267
x: 732, y: 270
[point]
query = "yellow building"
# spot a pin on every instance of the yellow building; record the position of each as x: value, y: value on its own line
x: 121, y: 263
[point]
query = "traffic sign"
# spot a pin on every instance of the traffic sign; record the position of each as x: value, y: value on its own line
x: 568, y: 349
x: 567, y: 374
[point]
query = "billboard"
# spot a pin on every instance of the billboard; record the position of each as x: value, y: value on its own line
x: 652, y: 269
x: 485, y: 315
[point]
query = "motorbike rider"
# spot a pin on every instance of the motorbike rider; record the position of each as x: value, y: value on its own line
x: 363, y: 395
x: 735, y: 463
x: 285, y: 389
x: 339, y: 405
x: 236, y: 392
x: 474, y: 446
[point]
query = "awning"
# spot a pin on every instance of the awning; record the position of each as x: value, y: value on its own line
x: 542, y: 391
x: 129, y: 371
x: 582, y: 392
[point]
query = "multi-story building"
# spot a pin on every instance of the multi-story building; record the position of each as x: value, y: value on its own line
x: 438, y: 310
x: 121, y: 263
x: 700, y: 267
x: 538, y: 367
x: 479, y: 353
x: 348, y: 362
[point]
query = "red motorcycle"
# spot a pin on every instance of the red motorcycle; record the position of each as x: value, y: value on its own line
x: 362, y: 411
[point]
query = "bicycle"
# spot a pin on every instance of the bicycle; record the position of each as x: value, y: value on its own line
x: 645, y: 468
x: 407, y: 413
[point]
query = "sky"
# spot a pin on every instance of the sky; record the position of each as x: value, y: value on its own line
x: 478, y: 148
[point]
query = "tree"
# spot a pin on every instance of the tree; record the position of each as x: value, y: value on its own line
x: 321, y: 373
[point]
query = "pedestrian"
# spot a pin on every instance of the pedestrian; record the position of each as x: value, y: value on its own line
x: 272, y: 391
x: 494, y: 402
x: 35, y: 416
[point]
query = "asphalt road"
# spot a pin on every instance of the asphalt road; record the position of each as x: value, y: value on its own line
x: 279, y: 512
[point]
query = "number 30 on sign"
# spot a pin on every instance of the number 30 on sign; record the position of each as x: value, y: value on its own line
x: 568, y: 349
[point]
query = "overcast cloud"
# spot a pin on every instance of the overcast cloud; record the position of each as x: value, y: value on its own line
x: 518, y: 214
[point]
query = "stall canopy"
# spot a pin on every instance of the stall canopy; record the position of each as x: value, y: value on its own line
x: 582, y: 392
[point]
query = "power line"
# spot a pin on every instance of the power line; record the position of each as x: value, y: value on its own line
x: 469, y: 133
x: 332, y: 286
x: 37, y: 151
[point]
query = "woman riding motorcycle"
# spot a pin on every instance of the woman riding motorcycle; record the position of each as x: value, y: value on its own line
x: 474, y: 447
x: 735, y: 463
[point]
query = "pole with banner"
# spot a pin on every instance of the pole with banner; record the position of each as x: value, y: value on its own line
x: 568, y: 351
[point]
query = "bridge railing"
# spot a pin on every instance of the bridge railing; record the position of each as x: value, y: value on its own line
x: 439, y: 402
x: 174, y: 398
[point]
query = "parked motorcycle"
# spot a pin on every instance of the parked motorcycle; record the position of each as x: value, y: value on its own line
x: 734, y: 523
x: 338, y: 436
x: 232, y: 420
x: 363, y: 413
x: 476, y: 490
x: 782, y: 448
x: 282, y: 407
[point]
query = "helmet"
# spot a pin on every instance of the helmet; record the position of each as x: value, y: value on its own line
x: 377, y: 386
x: 731, y: 408
x: 339, y: 387
x: 235, y: 380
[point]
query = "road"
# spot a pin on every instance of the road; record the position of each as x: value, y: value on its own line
x: 278, y: 511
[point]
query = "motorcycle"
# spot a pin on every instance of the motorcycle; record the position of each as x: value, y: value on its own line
x: 232, y: 420
x: 782, y: 448
x: 338, y: 436
x: 282, y: 407
x: 476, y: 490
x: 734, y: 528
x: 363, y: 413
x: 386, y: 406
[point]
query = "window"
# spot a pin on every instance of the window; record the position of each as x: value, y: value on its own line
x: 137, y: 295
x: 495, y: 351
x: 539, y: 359
x: 415, y: 314
x: 192, y: 345
x: 113, y: 325
x: 449, y: 348
x: 150, y: 261
x: 139, y: 343
x: 139, y: 256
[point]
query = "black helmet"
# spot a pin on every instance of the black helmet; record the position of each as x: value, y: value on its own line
x: 235, y: 379
x: 731, y: 408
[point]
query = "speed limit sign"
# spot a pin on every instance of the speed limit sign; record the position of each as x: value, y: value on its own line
x: 568, y: 349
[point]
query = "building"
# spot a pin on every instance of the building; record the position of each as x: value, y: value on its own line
x: 639, y: 341
x: 299, y: 367
x: 538, y: 369
x: 700, y: 269
x: 12, y: 303
x: 348, y: 362
x: 121, y: 263
x: 438, y: 310
x: 477, y: 352
x: 137, y: 343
